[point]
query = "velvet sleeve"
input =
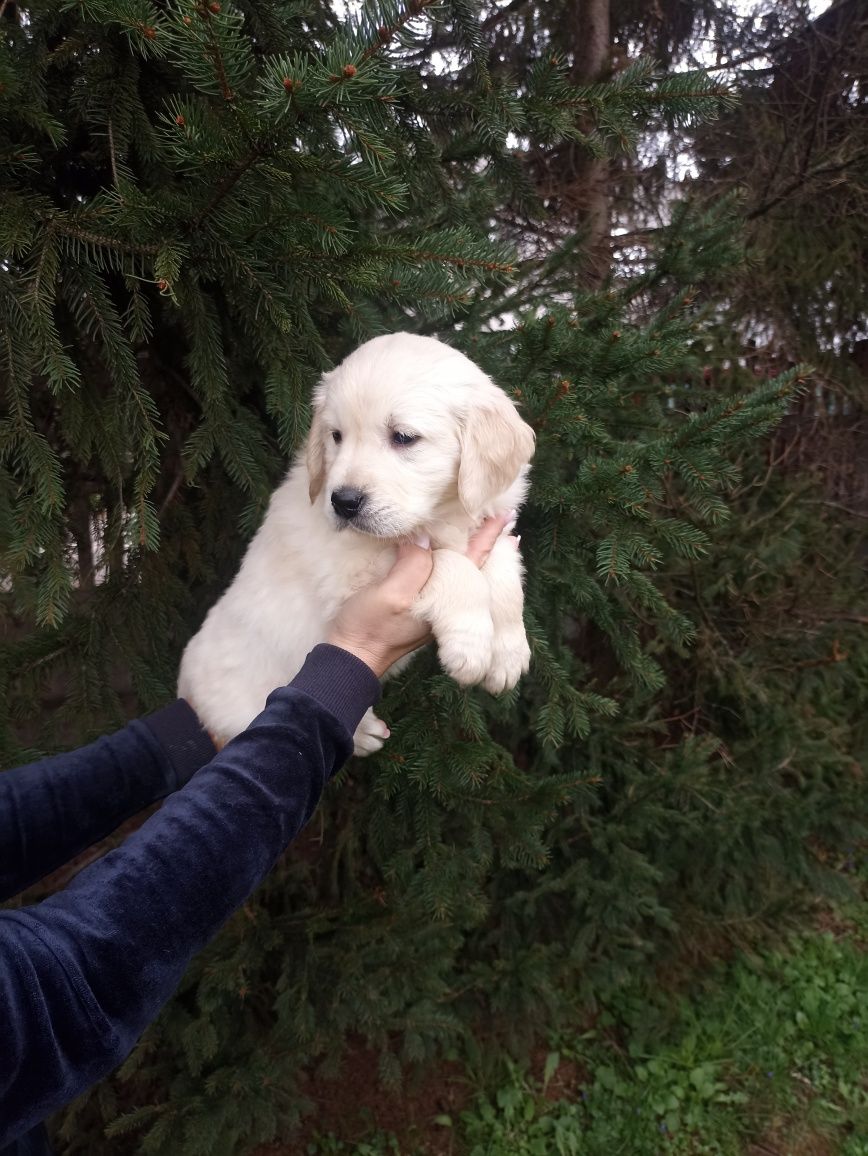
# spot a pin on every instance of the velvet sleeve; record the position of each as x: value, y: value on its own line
x: 84, y: 972
x: 52, y: 809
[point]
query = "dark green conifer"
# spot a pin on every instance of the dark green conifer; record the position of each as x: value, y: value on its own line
x: 204, y: 205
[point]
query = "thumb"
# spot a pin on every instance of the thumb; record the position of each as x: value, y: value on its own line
x: 411, y: 570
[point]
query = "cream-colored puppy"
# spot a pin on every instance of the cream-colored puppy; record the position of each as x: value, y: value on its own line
x: 409, y: 438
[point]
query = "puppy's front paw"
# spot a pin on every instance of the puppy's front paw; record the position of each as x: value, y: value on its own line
x: 510, y: 659
x: 370, y: 735
x: 465, y: 648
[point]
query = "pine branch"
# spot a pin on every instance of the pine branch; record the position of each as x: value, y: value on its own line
x: 386, y: 33
x: 101, y: 239
x: 226, y: 186
x: 212, y: 48
x: 463, y: 262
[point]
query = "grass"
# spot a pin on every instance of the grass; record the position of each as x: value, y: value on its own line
x: 778, y: 1047
x: 767, y: 1057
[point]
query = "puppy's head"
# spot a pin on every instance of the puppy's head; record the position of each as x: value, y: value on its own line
x: 406, y: 427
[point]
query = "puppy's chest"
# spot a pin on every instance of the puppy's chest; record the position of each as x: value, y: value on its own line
x: 340, y: 576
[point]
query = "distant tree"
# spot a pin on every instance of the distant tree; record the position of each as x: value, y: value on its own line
x: 797, y: 145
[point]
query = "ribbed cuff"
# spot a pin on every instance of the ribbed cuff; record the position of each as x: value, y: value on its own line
x: 178, y: 731
x: 340, y: 682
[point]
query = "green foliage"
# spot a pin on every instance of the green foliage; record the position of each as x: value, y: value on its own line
x: 773, y: 1045
x: 212, y: 192
x: 203, y: 206
x: 769, y: 1049
x: 516, y: 1123
x: 381, y: 1144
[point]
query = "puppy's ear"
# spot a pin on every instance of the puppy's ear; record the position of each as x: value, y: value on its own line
x: 314, y: 451
x: 495, y: 444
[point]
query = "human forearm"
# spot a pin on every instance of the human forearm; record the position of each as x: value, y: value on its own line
x: 52, y: 809
x: 83, y: 973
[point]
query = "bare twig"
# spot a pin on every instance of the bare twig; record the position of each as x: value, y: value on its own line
x: 859, y: 619
x: 801, y: 181
x: 171, y: 495
x: 838, y: 506
x: 111, y: 140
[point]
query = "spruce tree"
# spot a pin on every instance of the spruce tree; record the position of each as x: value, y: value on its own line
x: 204, y: 205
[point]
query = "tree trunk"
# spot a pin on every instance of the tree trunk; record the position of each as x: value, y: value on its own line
x: 592, y: 41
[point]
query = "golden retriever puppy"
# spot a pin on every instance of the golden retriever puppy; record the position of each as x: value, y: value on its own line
x: 408, y: 438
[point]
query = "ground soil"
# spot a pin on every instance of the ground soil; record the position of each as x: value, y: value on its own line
x: 354, y: 1104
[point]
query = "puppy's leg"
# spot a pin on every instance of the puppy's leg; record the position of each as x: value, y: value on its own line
x: 370, y: 735
x: 510, y: 653
x: 372, y: 732
x: 455, y: 604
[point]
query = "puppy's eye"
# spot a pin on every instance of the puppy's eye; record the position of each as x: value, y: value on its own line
x: 404, y: 439
x: 336, y: 436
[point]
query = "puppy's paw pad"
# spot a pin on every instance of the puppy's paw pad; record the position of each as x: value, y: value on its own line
x: 510, y: 659
x: 370, y: 735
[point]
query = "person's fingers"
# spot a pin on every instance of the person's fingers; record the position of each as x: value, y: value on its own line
x: 411, y: 570
x: 482, y: 542
x: 414, y: 561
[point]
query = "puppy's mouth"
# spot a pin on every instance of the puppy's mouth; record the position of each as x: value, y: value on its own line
x: 372, y: 526
x: 375, y: 525
x: 353, y: 508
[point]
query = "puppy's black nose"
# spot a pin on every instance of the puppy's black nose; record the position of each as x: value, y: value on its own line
x: 347, y: 502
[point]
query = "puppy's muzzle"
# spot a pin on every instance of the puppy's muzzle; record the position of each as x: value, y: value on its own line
x: 347, y: 502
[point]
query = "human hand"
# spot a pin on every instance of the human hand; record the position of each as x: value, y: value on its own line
x: 377, y: 623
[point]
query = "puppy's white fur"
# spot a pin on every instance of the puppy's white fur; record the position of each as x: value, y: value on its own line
x: 470, y: 460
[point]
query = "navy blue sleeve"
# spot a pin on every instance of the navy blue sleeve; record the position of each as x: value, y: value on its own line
x: 84, y: 972
x: 51, y: 810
